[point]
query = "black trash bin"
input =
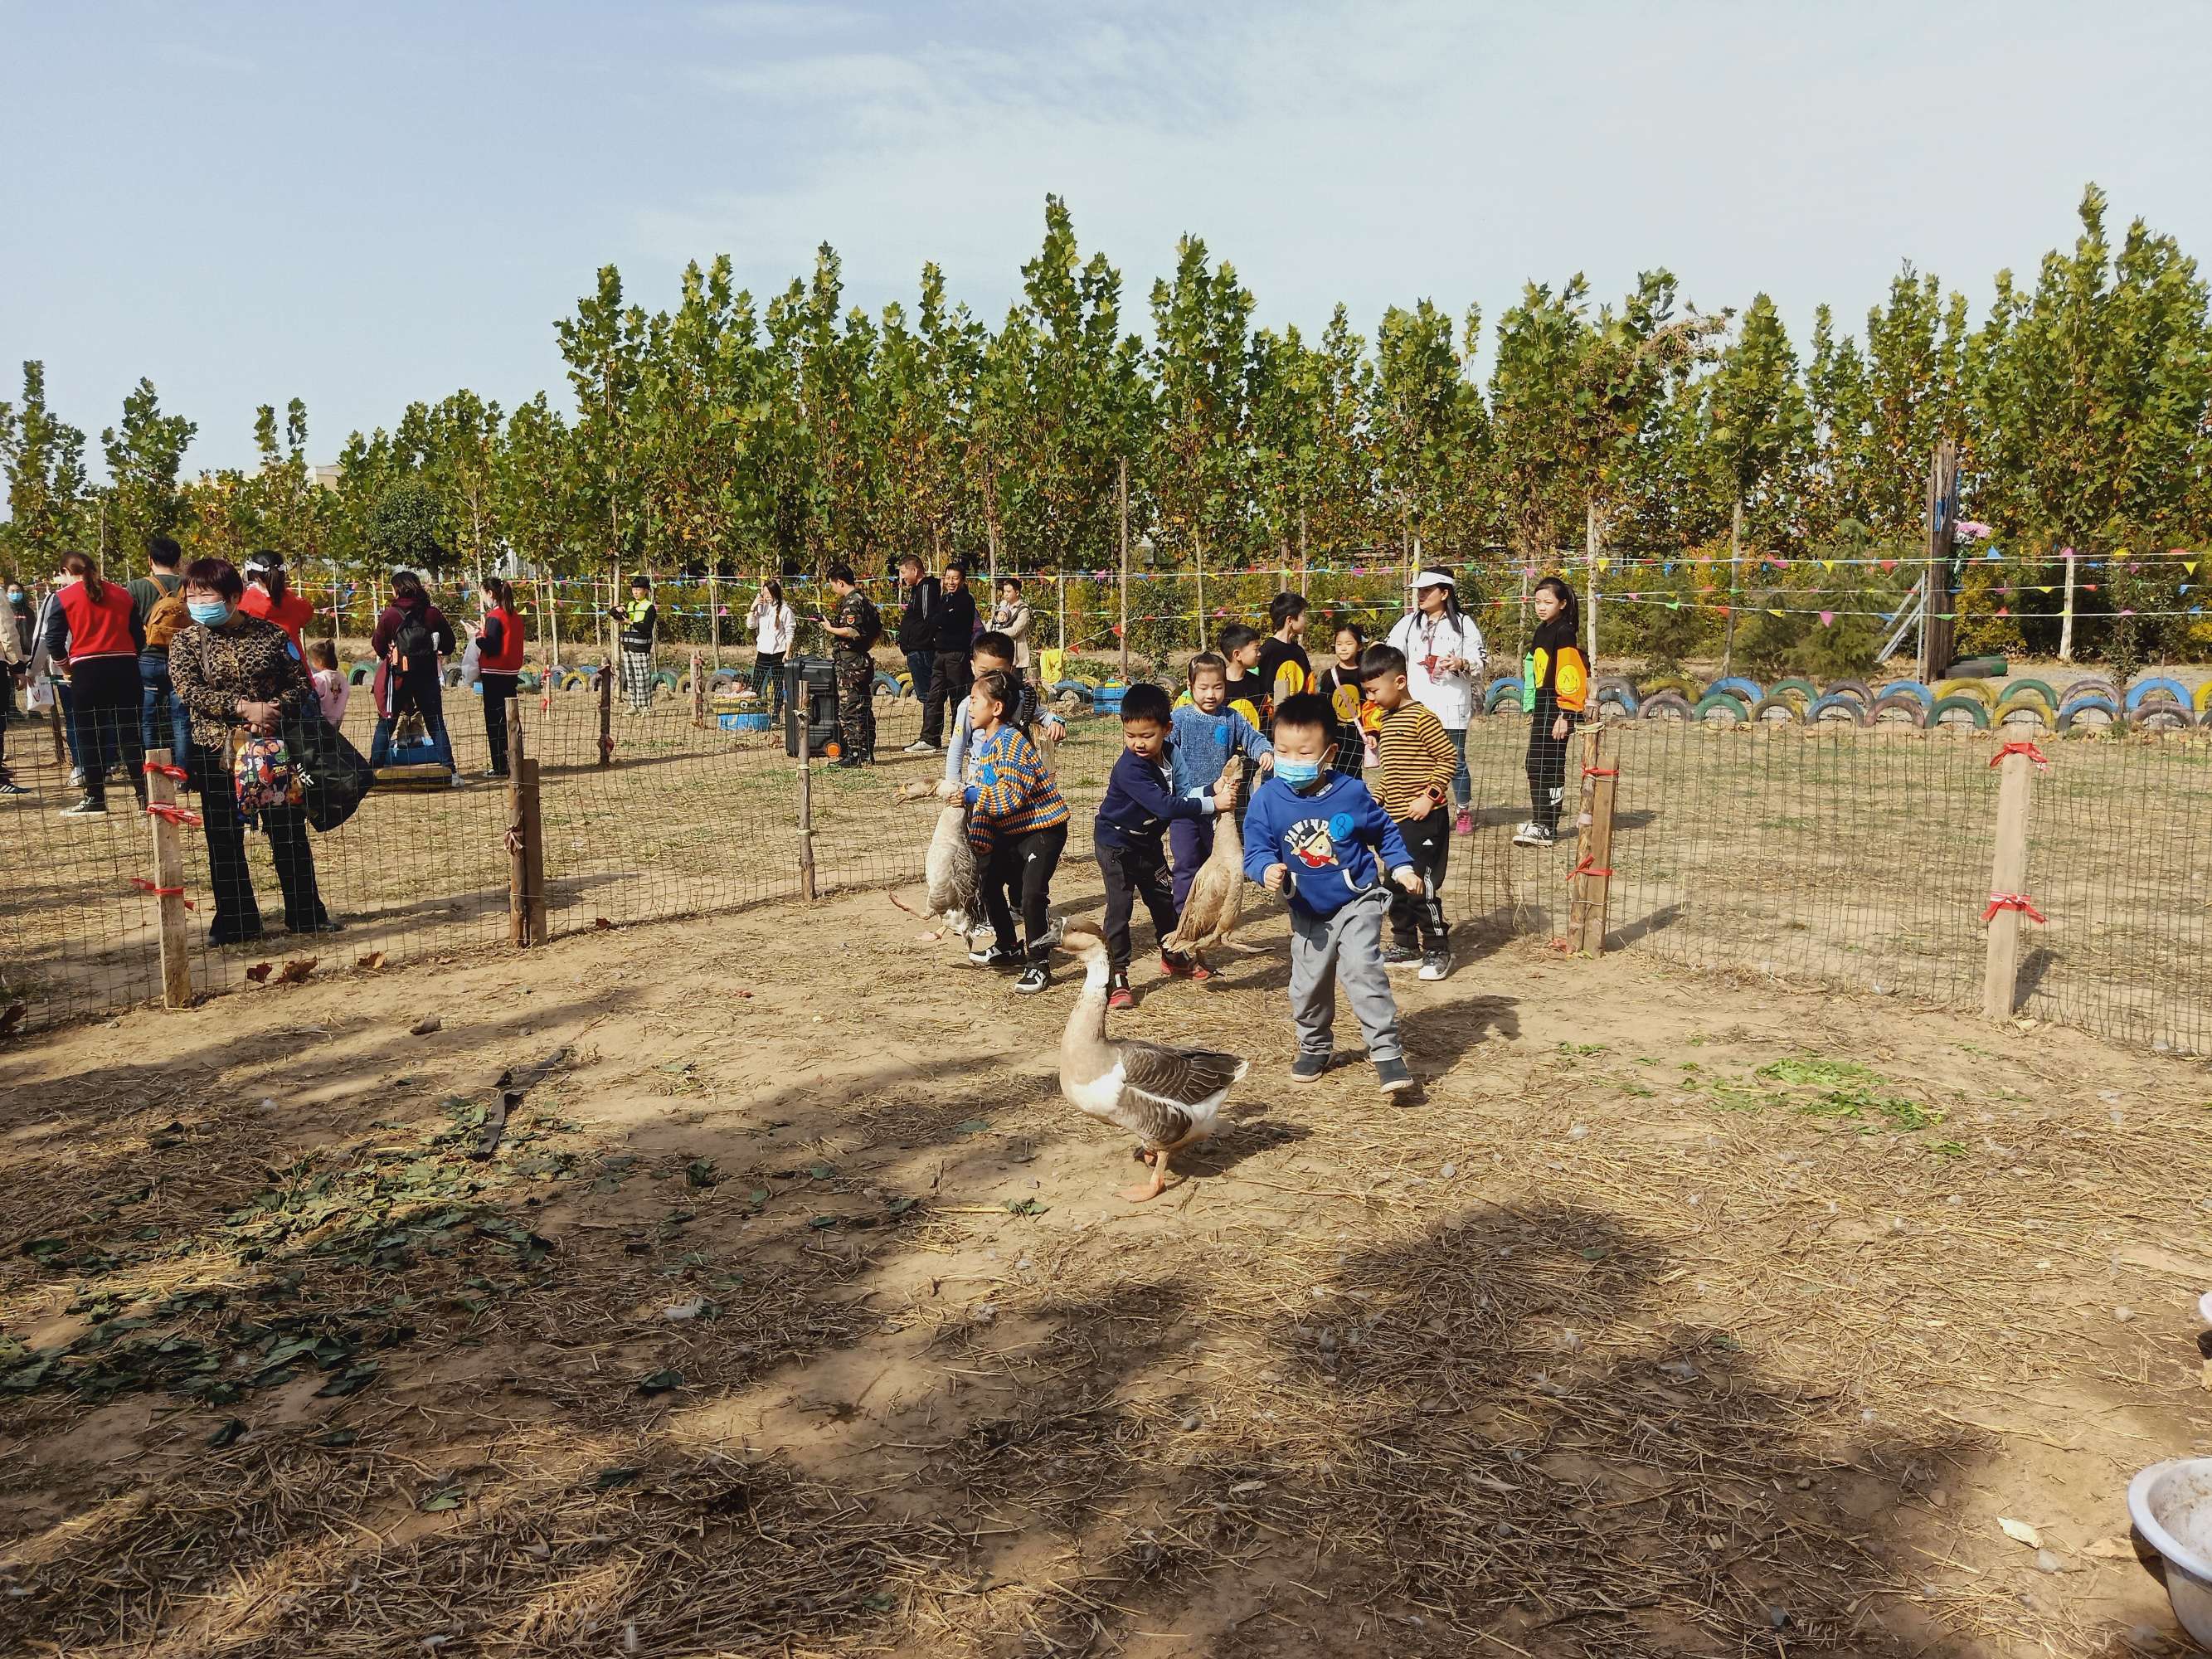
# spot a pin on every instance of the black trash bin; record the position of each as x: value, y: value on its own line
x: 809, y: 693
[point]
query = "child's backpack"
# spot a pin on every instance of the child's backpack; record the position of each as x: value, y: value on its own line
x: 263, y: 775
x: 167, y: 619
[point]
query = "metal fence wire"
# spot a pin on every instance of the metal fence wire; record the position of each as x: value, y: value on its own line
x: 1825, y: 855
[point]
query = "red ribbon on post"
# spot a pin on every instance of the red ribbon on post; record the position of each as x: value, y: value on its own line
x: 146, y: 886
x: 1587, y: 867
x: 153, y: 768
x: 2019, y: 901
x: 2022, y: 746
x: 161, y: 809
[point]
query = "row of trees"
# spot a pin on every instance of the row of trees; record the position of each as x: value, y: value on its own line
x: 728, y: 435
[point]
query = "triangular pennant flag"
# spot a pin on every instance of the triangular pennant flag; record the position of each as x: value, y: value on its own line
x: 1827, y: 619
x: 2042, y: 590
x: 1827, y: 564
x: 1772, y: 611
x: 2189, y: 565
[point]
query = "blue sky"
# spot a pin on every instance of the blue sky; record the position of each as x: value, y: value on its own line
x: 360, y: 205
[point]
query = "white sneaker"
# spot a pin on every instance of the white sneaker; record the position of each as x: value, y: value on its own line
x: 1524, y: 834
x: 918, y: 749
x: 1437, y: 964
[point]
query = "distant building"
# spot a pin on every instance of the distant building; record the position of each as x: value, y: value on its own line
x: 324, y: 477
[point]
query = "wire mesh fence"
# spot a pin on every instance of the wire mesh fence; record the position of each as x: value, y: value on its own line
x: 1825, y: 854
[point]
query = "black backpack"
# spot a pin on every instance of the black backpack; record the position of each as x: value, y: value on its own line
x: 417, y: 651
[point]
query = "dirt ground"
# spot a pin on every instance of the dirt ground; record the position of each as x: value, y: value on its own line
x: 794, y: 1313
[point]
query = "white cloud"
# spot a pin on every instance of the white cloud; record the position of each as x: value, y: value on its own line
x: 780, y: 17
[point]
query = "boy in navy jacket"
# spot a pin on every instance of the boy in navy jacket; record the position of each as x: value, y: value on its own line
x: 1141, y: 802
x: 1323, y: 842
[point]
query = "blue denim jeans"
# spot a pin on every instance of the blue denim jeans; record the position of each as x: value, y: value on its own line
x: 162, y: 722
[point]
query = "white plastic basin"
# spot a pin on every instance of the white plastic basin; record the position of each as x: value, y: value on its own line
x: 2171, y: 1505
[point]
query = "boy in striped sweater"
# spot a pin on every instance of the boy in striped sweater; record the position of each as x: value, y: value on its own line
x: 1018, y: 826
x: 1415, y: 765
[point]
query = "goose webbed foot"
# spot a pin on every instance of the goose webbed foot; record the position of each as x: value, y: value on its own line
x: 1143, y: 1190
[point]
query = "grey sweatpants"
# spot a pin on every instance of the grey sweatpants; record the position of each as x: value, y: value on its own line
x: 1346, y: 946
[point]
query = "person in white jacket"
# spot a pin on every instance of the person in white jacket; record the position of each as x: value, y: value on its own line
x: 1444, y: 659
x: 773, y: 626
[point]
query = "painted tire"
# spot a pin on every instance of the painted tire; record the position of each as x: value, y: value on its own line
x: 1621, y: 696
x: 2075, y: 708
x: 2020, y: 687
x: 1973, y: 707
x: 1804, y: 688
x: 2142, y: 688
x: 2091, y: 685
x: 360, y: 673
x: 1501, y: 692
x: 2205, y: 699
x: 1745, y: 691
x: 1490, y: 692
x: 886, y: 684
x: 1680, y: 684
x: 2161, y: 715
x: 1768, y: 707
x: 1664, y: 705
x: 1979, y: 690
x: 2014, y: 713
x: 1076, y: 689
x: 1899, y: 706
x: 526, y: 680
x: 666, y: 679
x: 1836, y: 702
x: 1906, y: 688
x: 1723, y: 703
x: 1858, y: 689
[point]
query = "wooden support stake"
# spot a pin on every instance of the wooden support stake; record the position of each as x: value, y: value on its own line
x: 1124, y: 492
x: 1593, y: 845
x: 54, y: 720
x: 606, y: 711
x: 714, y: 614
x: 698, y: 689
x: 169, y: 873
x: 533, y: 851
x: 806, y: 798
x: 518, y: 874
x: 2008, y: 876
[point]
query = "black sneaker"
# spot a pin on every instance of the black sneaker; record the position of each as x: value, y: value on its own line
x: 9, y: 787
x: 87, y: 808
x: 1399, y: 956
x: 1308, y: 1068
x: 1437, y: 964
x: 992, y: 956
x: 1393, y: 1076
x: 1036, y: 978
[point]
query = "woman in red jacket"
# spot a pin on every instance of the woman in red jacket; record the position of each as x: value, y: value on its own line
x: 499, y: 660
x: 91, y: 627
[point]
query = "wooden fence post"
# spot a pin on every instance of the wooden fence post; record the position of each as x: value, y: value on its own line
x: 533, y: 851
x: 714, y: 614
x: 1593, y: 847
x: 698, y: 689
x: 606, y: 711
x: 168, y: 883
x: 518, y: 885
x: 2008, y: 901
x: 54, y: 719
x: 805, y: 796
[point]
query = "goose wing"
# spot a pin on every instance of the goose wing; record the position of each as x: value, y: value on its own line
x: 1179, y: 1077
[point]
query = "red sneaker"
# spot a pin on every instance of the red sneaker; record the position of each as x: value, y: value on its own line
x: 1118, y: 995
x: 1174, y: 965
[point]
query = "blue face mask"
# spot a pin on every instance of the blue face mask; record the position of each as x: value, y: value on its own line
x: 1297, y: 774
x: 212, y: 613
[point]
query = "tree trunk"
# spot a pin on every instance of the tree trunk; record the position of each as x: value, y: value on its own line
x: 2066, y: 619
x: 1593, y: 539
x: 1736, y: 565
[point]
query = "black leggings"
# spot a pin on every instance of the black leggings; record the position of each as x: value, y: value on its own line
x: 104, y: 709
x: 497, y: 688
x: 1428, y: 840
x: 1022, y: 869
x: 1547, y: 761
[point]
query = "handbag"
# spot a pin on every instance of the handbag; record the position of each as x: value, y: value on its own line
x: 332, y: 775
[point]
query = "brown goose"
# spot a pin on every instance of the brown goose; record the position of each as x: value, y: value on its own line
x: 1167, y: 1097
x: 1216, y: 903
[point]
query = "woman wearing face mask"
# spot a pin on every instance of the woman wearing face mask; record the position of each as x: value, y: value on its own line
x: 93, y: 627
x: 240, y: 674
x: 15, y: 654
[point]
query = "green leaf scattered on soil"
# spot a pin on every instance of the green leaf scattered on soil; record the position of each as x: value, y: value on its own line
x: 1024, y: 1206
x: 228, y: 1433
x: 661, y: 1383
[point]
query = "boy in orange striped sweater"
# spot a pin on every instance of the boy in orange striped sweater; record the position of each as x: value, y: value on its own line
x: 1413, y: 776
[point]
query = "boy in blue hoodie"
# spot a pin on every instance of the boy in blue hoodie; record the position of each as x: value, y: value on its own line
x: 1323, y: 842
x: 1140, y: 803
